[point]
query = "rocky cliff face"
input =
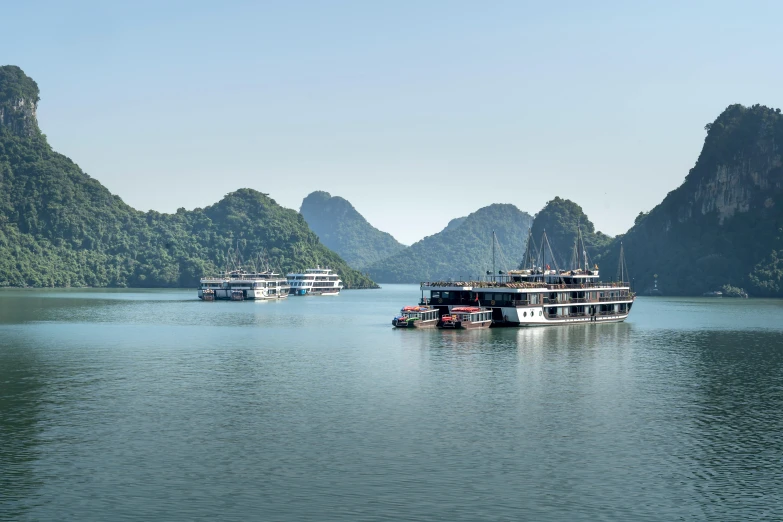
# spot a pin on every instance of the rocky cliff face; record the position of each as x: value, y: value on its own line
x: 18, y: 101
x: 19, y: 116
x: 745, y: 179
x: 724, y: 224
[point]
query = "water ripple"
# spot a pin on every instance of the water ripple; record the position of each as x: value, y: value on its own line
x: 152, y: 405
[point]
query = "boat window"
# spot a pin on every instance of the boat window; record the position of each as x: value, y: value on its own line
x: 524, y: 314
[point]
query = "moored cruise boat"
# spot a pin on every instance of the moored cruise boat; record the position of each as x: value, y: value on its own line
x: 538, y: 296
x: 315, y: 281
x: 417, y: 317
x: 238, y: 285
x: 466, y: 317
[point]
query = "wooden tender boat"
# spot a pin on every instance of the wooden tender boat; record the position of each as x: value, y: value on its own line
x: 417, y: 317
x: 464, y: 317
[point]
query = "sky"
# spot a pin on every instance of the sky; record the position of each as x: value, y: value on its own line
x: 416, y: 112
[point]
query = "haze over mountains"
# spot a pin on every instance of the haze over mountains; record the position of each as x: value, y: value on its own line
x: 722, y: 226
x: 60, y: 227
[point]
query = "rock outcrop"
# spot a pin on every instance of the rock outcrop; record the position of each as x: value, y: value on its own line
x: 18, y: 102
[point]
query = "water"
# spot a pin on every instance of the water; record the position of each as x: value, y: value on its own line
x: 153, y: 405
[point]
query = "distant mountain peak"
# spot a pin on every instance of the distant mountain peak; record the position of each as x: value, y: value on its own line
x: 562, y: 219
x: 343, y: 229
x: 462, y: 250
x: 317, y: 195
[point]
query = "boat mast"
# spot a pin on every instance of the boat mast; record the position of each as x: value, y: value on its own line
x: 493, y: 255
x: 622, y: 262
x: 621, y: 266
x: 575, y: 255
x: 541, y: 256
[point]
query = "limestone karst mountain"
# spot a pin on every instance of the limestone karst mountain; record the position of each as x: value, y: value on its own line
x: 463, y: 250
x: 562, y: 219
x: 341, y: 228
x: 724, y: 224
x: 60, y: 227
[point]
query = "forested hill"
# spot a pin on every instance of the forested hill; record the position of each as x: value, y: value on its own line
x: 59, y: 227
x: 724, y: 224
x: 340, y: 227
x: 562, y: 219
x: 463, y: 250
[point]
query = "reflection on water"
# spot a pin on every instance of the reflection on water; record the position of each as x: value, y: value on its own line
x: 156, y: 405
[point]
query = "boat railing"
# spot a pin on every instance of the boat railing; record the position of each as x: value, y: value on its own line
x: 524, y: 303
x: 531, y: 285
x: 586, y: 300
x: 584, y: 314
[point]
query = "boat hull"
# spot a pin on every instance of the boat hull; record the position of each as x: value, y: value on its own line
x: 249, y: 295
x: 465, y: 325
x: 414, y: 324
x: 301, y: 292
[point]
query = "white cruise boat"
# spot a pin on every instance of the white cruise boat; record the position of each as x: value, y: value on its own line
x: 238, y: 285
x: 315, y: 281
x: 539, y: 296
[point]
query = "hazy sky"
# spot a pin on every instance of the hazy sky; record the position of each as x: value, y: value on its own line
x: 416, y: 112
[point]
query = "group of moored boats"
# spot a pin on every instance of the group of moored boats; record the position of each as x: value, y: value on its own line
x: 536, y: 296
x: 239, y: 285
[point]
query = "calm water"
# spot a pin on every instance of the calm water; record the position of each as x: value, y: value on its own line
x: 151, y: 404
